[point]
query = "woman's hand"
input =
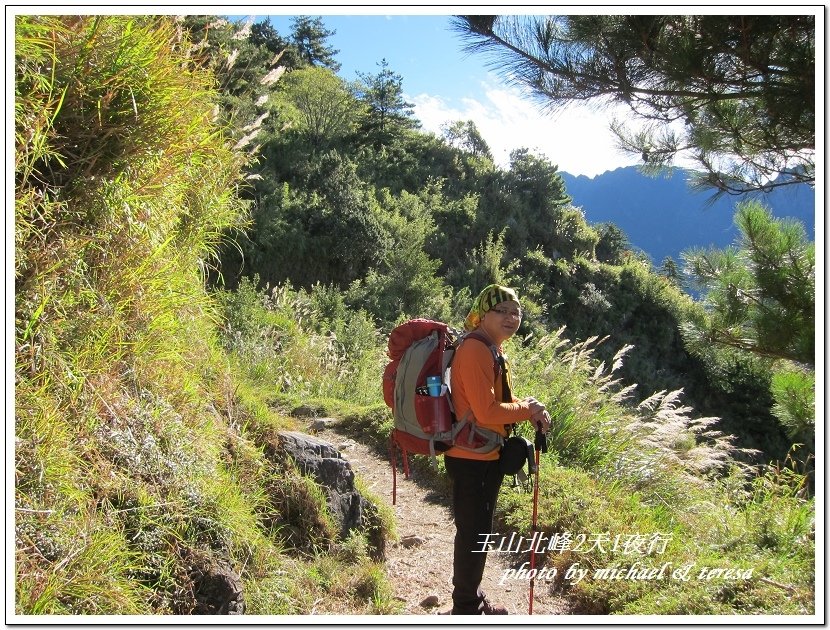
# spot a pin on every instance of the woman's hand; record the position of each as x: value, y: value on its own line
x: 538, y: 414
x: 535, y: 405
x: 542, y: 421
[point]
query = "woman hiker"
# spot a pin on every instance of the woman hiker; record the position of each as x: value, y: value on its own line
x: 476, y: 477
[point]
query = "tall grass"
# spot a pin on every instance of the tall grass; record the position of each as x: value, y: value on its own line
x: 303, y: 344
x: 618, y: 472
x: 596, y: 427
x: 86, y: 570
x: 139, y: 454
x: 122, y: 188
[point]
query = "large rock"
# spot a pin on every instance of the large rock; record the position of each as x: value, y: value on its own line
x: 322, y: 462
x: 217, y: 588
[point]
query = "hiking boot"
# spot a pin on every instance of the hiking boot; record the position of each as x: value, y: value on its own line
x: 488, y: 608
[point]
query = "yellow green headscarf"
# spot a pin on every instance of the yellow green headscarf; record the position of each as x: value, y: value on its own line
x: 487, y: 299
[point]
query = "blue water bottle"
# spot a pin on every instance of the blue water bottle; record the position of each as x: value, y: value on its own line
x: 434, y: 385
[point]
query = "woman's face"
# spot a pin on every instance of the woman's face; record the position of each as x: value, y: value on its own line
x: 502, y: 321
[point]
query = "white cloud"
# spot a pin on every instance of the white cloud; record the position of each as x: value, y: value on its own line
x: 576, y: 139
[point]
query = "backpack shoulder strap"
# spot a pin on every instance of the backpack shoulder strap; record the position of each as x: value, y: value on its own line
x: 493, y: 350
x: 499, y: 368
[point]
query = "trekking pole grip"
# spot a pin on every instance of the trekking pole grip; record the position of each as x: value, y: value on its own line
x: 541, y: 441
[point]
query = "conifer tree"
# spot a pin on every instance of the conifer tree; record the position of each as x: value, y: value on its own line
x: 734, y: 93
x: 761, y: 293
x: 387, y: 108
x: 309, y: 37
x: 760, y: 297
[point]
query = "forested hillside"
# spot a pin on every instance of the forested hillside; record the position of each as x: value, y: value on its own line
x: 351, y: 195
x: 214, y: 234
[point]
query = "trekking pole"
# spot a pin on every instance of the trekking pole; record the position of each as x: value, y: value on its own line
x: 540, y: 445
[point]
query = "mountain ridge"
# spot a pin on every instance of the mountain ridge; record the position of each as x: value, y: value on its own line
x: 663, y: 216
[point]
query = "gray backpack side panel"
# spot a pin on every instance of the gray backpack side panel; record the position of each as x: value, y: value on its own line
x: 406, y: 381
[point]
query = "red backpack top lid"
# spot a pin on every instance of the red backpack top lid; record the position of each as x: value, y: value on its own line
x: 402, y: 336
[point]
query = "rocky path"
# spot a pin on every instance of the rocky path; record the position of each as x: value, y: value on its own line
x: 420, y: 565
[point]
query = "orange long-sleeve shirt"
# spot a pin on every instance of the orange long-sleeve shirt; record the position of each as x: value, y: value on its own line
x: 475, y: 388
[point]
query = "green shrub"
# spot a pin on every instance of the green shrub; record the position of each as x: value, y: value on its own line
x: 289, y: 343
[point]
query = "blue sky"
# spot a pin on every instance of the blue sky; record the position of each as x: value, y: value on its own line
x: 446, y: 84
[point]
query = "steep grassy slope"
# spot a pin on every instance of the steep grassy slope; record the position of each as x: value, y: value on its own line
x: 139, y: 462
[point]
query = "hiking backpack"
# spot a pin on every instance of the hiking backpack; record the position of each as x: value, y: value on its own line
x: 424, y: 424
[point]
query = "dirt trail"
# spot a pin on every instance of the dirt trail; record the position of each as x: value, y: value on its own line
x: 421, y: 573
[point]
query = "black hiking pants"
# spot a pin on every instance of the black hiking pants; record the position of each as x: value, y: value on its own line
x: 475, y: 487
